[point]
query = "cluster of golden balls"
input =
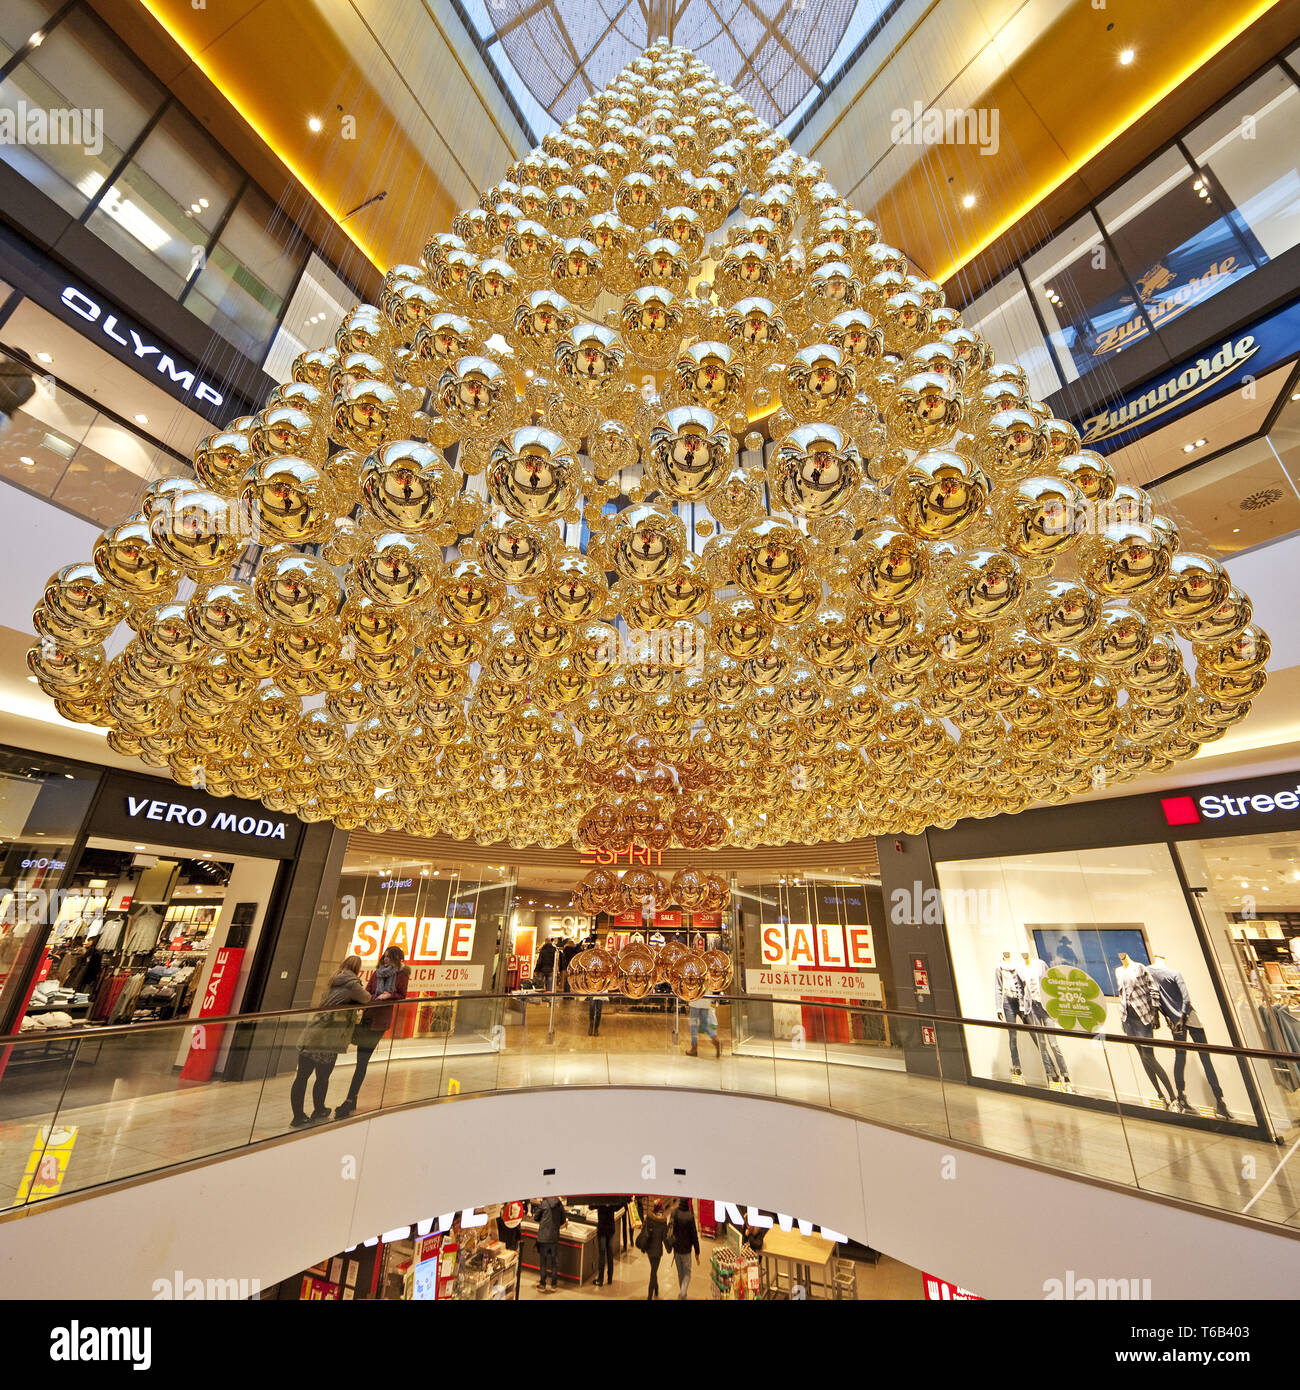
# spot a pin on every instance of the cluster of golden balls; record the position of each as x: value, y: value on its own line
x: 658, y: 501
x: 638, y: 969
x: 605, y: 891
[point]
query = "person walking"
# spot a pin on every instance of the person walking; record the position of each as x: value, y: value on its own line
x: 568, y: 950
x: 328, y: 1034
x: 704, y: 1018
x: 551, y: 1215
x: 389, y: 983
x: 547, y: 965
x: 686, y: 1240
x: 605, y: 1219
x: 651, y: 1241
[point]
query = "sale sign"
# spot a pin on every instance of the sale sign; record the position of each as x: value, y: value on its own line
x: 422, y: 940
x: 205, y: 1040
x: 825, y: 946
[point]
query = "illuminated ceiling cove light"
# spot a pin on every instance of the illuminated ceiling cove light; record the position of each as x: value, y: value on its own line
x: 780, y: 555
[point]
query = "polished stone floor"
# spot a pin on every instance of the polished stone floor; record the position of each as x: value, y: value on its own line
x: 134, y: 1114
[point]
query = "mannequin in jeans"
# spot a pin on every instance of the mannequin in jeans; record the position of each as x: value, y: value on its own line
x: 1184, y: 1024
x: 1007, y: 1005
x: 1139, y: 1004
x: 1031, y: 971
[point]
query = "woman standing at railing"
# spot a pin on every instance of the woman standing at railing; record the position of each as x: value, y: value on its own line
x: 328, y: 1034
x: 389, y: 982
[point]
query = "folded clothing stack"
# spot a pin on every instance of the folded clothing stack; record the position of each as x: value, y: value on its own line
x: 49, y: 993
x: 44, y: 1022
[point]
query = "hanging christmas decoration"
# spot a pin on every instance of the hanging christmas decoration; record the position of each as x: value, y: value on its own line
x: 658, y: 502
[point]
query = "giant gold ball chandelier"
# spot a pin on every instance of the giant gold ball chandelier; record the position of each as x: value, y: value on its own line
x: 529, y: 571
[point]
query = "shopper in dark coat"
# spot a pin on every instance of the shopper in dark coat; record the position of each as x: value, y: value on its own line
x: 388, y: 984
x: 546, y: 965
x: 686, y: 1238
x: 551, y: 1215
x: 605, y: 1225
x: 328, y: 1034
x: 652, y: 1242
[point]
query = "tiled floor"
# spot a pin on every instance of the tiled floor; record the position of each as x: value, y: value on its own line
x: 133, y: 1114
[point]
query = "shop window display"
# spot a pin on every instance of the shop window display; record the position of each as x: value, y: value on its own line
x: 1119, y: 916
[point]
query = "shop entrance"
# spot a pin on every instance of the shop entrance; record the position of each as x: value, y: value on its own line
x: 141, y: 927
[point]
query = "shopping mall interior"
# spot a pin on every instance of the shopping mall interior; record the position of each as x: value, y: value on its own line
x: 649, y: 644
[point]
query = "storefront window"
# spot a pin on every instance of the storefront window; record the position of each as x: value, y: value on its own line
x: 79, y: 75
x: 1244, y: 498
x: 1178, y: 248
x: 42, y: 805
x: 59, y: 447
x: 1104, y: 912
x: 1083, y: 297
x: 1006, y: 318
x: 177, y: 187
x: 450, y: 923
x: 248, y: 275
x: 1247, y: 889
x: 1248, y: 146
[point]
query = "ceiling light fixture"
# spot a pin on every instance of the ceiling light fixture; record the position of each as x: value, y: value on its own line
x: 44, y: 357
x: 968, y: 201
x: 141, y: 419
x: 1126, y: 57
x: 315, y: 125
x: 31, y: 463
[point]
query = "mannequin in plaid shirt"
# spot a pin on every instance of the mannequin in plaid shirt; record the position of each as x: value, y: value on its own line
x: 1139, y: 1011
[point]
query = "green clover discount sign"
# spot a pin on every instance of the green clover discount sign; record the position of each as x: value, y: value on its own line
x: 1073, y: 998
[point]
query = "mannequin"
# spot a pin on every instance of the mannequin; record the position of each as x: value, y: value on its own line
x: 1139, y: 1008
x: 1007, y: 1004
x: 1031, y: 971
x: 1184, y: 1024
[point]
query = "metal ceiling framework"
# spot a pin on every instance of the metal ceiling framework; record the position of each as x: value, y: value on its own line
x: 771, y: 51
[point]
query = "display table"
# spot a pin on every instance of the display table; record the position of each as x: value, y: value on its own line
x: 577, y: 1262
x: 792, y: 1260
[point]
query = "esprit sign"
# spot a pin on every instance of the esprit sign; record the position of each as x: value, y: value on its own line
x: 136, y: 347
x: 178, y: 813
x: 1192, y: 810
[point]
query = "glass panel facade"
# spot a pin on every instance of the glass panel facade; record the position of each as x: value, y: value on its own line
x: 1083, y: 297
x: 1004, y: 315
x: 94, y: 100
x: 19, y: 20
x: 163, y: 209
x: 1249, y: 148
x: 1176, y: 245
x: 319, y: 302
x: 248, y: 276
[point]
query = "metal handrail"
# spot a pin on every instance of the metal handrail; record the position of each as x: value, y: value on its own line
x: 136, y: 1029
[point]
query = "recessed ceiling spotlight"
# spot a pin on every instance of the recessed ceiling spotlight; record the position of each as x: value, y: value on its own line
x: 141, y: 419
x: 968, y: 201
x: 1126, y: 57
x: 31, y: 463
x: 1200, y: 444
x: 1188, y: 448
x: 44, y: 357
x: 315, y: 125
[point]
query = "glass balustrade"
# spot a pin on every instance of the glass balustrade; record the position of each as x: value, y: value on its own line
x: 84, y: 1107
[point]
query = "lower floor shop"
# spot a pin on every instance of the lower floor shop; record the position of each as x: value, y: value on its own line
x: 493, y: 1254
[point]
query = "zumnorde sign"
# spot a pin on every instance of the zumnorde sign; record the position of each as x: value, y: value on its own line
x: 1232, y: 363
